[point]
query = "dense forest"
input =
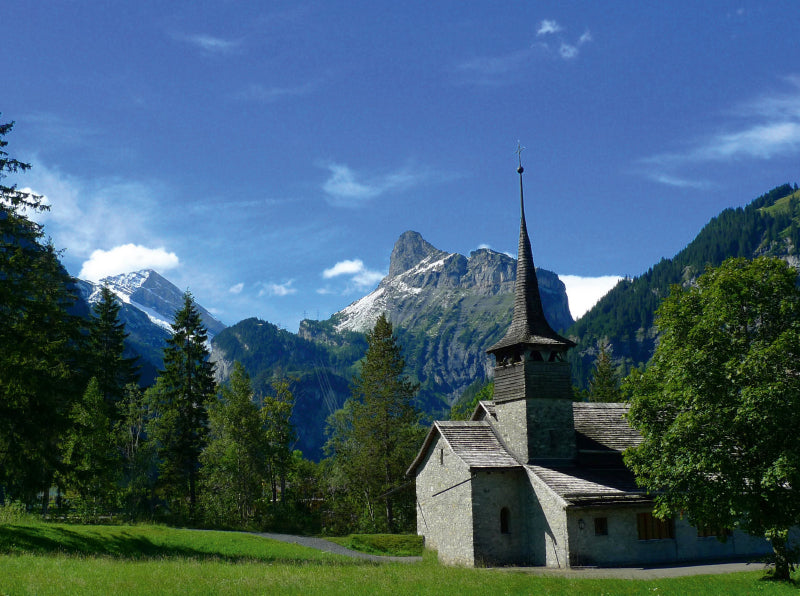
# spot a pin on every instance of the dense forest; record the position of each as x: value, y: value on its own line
x: 624, y: 317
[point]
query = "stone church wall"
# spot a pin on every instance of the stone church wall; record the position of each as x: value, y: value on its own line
x: 547, y: 523
x: 499, y: 541
x: 445, y: 520
x: 622, y: 546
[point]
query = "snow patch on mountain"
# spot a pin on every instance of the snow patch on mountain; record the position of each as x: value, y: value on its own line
x: 362, y: 313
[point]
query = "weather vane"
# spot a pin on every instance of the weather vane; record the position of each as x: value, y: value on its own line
x: 519, y: 151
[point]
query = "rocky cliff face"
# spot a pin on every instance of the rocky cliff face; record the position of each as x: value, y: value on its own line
x: 447, y: 309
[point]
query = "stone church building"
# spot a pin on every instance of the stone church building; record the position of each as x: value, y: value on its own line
x: 537, y: 479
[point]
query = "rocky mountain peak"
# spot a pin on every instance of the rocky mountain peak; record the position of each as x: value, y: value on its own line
x: 408, y: 251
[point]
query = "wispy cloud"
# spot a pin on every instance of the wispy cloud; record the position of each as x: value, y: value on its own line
x: 547, y: 27
x: 210, y: 43
x: 236, y: 288
x: 345, y: 188
x: 358, y: 275
x: 493, y: 70
x: 501, y: 69
x: 273, y: 289
x: 763, y: 128
x: 268, y: 94
x: 126, y: 258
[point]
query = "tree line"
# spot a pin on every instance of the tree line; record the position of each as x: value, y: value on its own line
x: 80, y: 439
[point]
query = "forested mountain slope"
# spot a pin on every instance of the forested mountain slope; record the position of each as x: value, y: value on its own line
x: 770, y: 225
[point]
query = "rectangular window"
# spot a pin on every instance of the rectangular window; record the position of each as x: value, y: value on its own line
x: 652, y: 528
x: 601, y: 526
x: 709, y: 532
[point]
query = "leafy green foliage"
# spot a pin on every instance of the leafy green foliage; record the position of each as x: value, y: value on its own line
x: 90, y: 453
x: 234, y: 460
x: 719, y: 405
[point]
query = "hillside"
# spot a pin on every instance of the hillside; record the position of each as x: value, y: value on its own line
x: 769, y: 225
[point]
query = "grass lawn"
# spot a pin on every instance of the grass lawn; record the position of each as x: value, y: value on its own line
x: 63, y: 559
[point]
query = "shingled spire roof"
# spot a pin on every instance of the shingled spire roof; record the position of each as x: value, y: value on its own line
x: 528, y: 325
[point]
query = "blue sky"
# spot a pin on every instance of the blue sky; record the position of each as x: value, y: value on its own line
x: 267, y: 155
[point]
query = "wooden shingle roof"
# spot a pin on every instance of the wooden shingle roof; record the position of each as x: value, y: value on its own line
x: 603, y: 427
x: 528, y: 324
x: 586, y: 486
x: 474, y: 442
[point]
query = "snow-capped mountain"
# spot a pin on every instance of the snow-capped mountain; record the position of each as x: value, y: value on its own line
x: 148, y: 305
x: 156, y: 297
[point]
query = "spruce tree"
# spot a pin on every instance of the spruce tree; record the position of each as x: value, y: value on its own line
x: 375, y: 436
x: 604, y: 385
x: 106, y: 347
x: 184, y: 390
x: 39, y: 343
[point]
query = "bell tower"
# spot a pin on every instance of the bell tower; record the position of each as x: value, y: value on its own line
x: 532, y: 380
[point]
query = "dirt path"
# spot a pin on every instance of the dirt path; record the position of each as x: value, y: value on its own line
x: 332, y: 547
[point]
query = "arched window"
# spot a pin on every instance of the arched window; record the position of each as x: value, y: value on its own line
x: 504, y: 517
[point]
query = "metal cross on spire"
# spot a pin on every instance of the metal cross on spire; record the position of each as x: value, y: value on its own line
x: 519, y: 151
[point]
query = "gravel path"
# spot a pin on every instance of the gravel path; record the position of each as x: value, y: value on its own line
x: 574, y: 572
x: 332, y: 547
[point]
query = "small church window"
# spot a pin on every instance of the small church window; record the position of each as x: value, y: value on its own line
x: 441, y: 456
x: 504, y: 519
x: 601, y: 526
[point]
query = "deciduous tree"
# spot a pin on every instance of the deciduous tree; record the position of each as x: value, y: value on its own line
x: 719, y: 405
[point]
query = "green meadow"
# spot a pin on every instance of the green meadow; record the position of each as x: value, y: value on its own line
x: 38, y: 558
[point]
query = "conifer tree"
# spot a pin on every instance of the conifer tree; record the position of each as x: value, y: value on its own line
x: 106, y: 347
x: 604, y: 385
x: 375, y: 436
x: 184, y: 390
x: 39, y: 342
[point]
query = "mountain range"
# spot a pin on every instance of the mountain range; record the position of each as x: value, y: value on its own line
x: 447, y: 309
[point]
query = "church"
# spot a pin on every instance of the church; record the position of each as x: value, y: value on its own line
x: 537, y: 479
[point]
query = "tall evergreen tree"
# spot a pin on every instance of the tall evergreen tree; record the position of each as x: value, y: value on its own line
x: 375, y: 436
x: 185, y: 388
x: 605, y: 382
x: 39, y: 342
x: 109, y: 366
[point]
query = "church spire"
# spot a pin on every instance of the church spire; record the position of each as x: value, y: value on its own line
x: 528, y: 325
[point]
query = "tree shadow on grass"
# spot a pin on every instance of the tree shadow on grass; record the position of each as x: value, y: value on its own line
x: 49, y: 540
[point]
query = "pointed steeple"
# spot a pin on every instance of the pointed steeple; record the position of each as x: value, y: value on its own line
x: 529, y: 327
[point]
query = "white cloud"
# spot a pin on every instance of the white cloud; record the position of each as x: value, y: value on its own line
x: 763, y: 128
x: 210, y: 43
x: 85, y: 215
x: 584, y: 292
x: 548, y: 26
x: 360, y: 277
x: 273, y: 289
x: 344, y: 189
x: 567, y: 51
x: 126, y: 258
x: 236, y: 288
